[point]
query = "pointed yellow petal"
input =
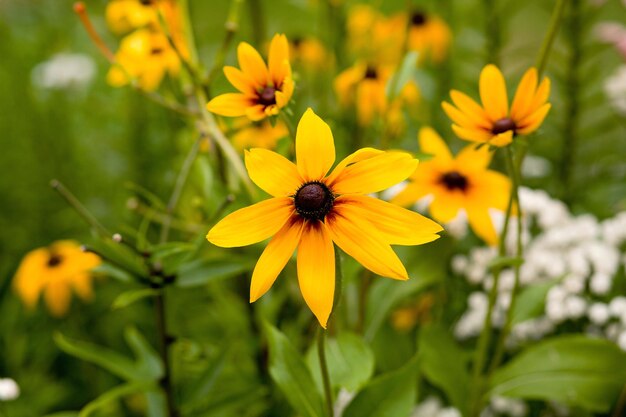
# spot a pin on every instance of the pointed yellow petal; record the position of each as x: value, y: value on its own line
x: 284, y: 95
x: 360, y: 155
x: 480, y: 222
x: 541, y: 95
x: 81, y: 282
x: 473, y: 135
x: 316, y: 270
x: 524, y: 95
x: 397, y: 226
x: 231, y: 105
x: 361, y: 240
x: 272, y: 172
x: 375, y: 174
x: 472, y: 109
x: 315, y: 147
x: 460, y: 118
x: 493, y: 92
x: 490, y: 189
x: 431, y: 143
x: 534, y: 120
x: 58, y: 296
x: 252, y: 64
x: 251, y: 224
x: 239, y: 80
x: 474, y: 159
x: 275, y: 257
x: 278, y: 56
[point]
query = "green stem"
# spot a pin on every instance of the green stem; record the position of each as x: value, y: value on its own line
x: 321, y: 352
x: 258, y: 22
x: 548, y: 40
x: 80, y: 208
x: 290, y: 126
x: 231, y: 26
x: 164, y: 342
x: 492, y: 31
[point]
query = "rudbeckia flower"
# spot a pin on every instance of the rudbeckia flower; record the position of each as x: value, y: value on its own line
x: 493, y: 123
x: 264, y: 89
x: 55, y: 271
x: 259, y: 135
x: 125, y: 15
x: 455, y: 183
x: 364, y: 85
x: 310, y: 53
x: 428, y: 35
x: 311, y: 208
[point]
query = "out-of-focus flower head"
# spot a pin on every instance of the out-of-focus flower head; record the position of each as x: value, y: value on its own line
x: 55, y: 271
x: 124, y: 16
x: 365, y: 86
x: 494, y: 123
x: 429, y: 35
x: 615, y: 89
x: 461, y: 182
x: 258, y: 134
x: 9, y: 390
x: 309, y: 53
x: 64, y: 71
x: 375, y: 37
x: 263, y: 89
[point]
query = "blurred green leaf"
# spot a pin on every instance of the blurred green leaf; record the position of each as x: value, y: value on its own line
x: 167, y: 249
x: 113, y: 272
x: 201, y: 272
x: 115, y: 394
x: 389, y: 395
x: 405, y: 72
x: 505, y: 261
x: 290, y: 373
x: 573, y: 370
x: 206, y: 382
x: 129, y: 297
x: 148, y: 360
x: 155, y: 404
x: 63, y: 414
x: 530, y: 302
x: 444, y: 364
x: 121, y: 256
x: 350, y: 362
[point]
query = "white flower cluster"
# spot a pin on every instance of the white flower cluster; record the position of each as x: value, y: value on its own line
x: 9, y: 390
x: 433, y: 407
x: 578, y: 254
x: 64, y: 71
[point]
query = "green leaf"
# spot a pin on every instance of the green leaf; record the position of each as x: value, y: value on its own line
x: 573, y: 370
x: 168, y: 249
x: 63, y: 414
x: 405, y: 73
x: 290, y: 373
x: 148, y: 360
x: 155, y: 404
x: 129, y: 297
x: 114, y: 272
x: 444, y: 364
x: 531, y: 302
x: 350, y: 362
x: 201, y: 272
x: 206, y: 382
x: 389, y: 395
x: 115, y: 394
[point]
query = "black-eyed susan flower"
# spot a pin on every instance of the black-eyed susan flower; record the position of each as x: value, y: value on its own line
x: 310, y: 209
x: 309, y: 53
x: 55, y: 271
x: 493, y: 123
x: 263, y: 89
x: 259, y: 135
x: 145, y: 56
x: 122, y: 16
x: 363, y: 85
x: 455, y: 183
x: 374, y: 37
x: 429, y: 35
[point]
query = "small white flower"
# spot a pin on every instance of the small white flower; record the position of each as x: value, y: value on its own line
x: 9, y: 390
x: 599, y: 313
x: 64, y: 71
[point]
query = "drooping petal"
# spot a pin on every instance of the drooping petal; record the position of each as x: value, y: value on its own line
x: 361, y: 240
x: 462, y: 119
x: 397, y: 225
x: 251, y: 224
x: 57, y: 294
x: 480, y: 222
x: 534, y: 120
x: 472, y: 109
x: 524, y: 95
x: 375, y: 174
x: 315, y: 147
x: 431, y: 143
x: 230, y: 104
x: 81, y: 283
x: 474, y: 159
x: 278, y: 56
x: 252, y: 64
x: 360, y: 155
x: 493, y: 93
x: 275, y: 257
x: 239, y: 80
x: 316, y: 269
x: 473, y: 135
x: 272, y: 172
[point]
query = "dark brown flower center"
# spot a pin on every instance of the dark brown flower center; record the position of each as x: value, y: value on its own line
x: 267, y: 96
x: 54, y: 260
x: 156, y: 51
x: 503, y: 125
x: 146, y: 2
x: 313, y: 200
x: 418, y: 19
x: 370, y: 73
x: 454, y: 180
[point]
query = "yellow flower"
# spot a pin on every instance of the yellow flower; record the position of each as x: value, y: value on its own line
x: 144, y: 55
x: 259, y: 135
x: 55, y: 271
x: 264, y: 89
x: 429, y: 35
x: 310, y: 209
x: 365, y: 86
x: 125, y: 15
x: 375, y: 37
x: 493, y: 123
x: 310, y: 53
x: 458, y: 183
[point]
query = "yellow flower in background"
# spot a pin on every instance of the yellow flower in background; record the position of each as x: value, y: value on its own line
x: 461, y: 182
x: 259, y: 135
x: 309, y: 52
x: 493, y: 122
x: 55, y: 271
x: 122, y: 16
x: 365, y: 86
x: 310, y: 209
x: 146, y: 56
x: 428, y: 35
x: 375, y: 37
x: 264, y: 89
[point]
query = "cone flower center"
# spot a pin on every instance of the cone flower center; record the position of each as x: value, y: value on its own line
x: 54, y: 260
x: 371, y: 73
x: 267, y: 96
x: 503, y: 125
x: 313, y: 200
x: 454, y: 180
x: 418, y: 19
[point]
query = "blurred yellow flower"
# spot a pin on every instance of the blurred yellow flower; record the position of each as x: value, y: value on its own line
x: 55, y: 271
x: 493, y: 123
x: 373, y: 36
x: 309, y: 53
x: 145, y: 56
x: 458, y: 183
x: 310, y: 209
x: 122, y: 16
x: 264, y: 89
x: 428, y: 35
x: 365, y: 86
x: 259, y: 135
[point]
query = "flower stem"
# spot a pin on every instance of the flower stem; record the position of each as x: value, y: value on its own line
x: 164, y: 342
x: 548, y: 40
x: 231, y: 26
x: 257, y: 18
x: 80, y: 208
x: 290, y: 127
x: 492, y: 30
x: 321, y: 352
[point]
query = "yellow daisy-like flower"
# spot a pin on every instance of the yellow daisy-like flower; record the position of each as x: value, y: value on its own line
x: 493, y: 122
x: 144, y: 55
x: 429, y: 35
x: 125, y: 15
x: 365, y: 86
x: 264, y: 89
x: 55, y: 271
x: 310, y: 209
x: 374, y: 36
x: 310, y: 53
x: 259, y: 135
x: 461, y: 182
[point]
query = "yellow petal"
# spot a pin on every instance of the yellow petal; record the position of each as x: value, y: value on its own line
x: 411, y: 193
x: 57, y: 295
x: 275, y: 257
x: 534, y: 120
x: 315, y: 147
x: 445, y: 206
x: 256, y: 112
x: 472, y: 109
x: 493, y: 92
x: 480, y: 222
x: 375, y: 174
x: 251, y: 224
x: 316, y: 270
x: 541, y: 95
x: 231, y: 105
x: 239, y: 80
x: 474, y: 159
x: 360, y: 155
x: 462, y: 119
x: 431, y: 143
x: 272, y: 172
x: 473, y: 135
x: 490, y: 189
x: 502, y: 139
x: 397, y: 226
x: 284, y: 95
x: 81, y: 283
x: 252, y: 64
x: 278, y: 56
x: 29, y: 280
x: 524, y: 95
x: 361, y: 240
